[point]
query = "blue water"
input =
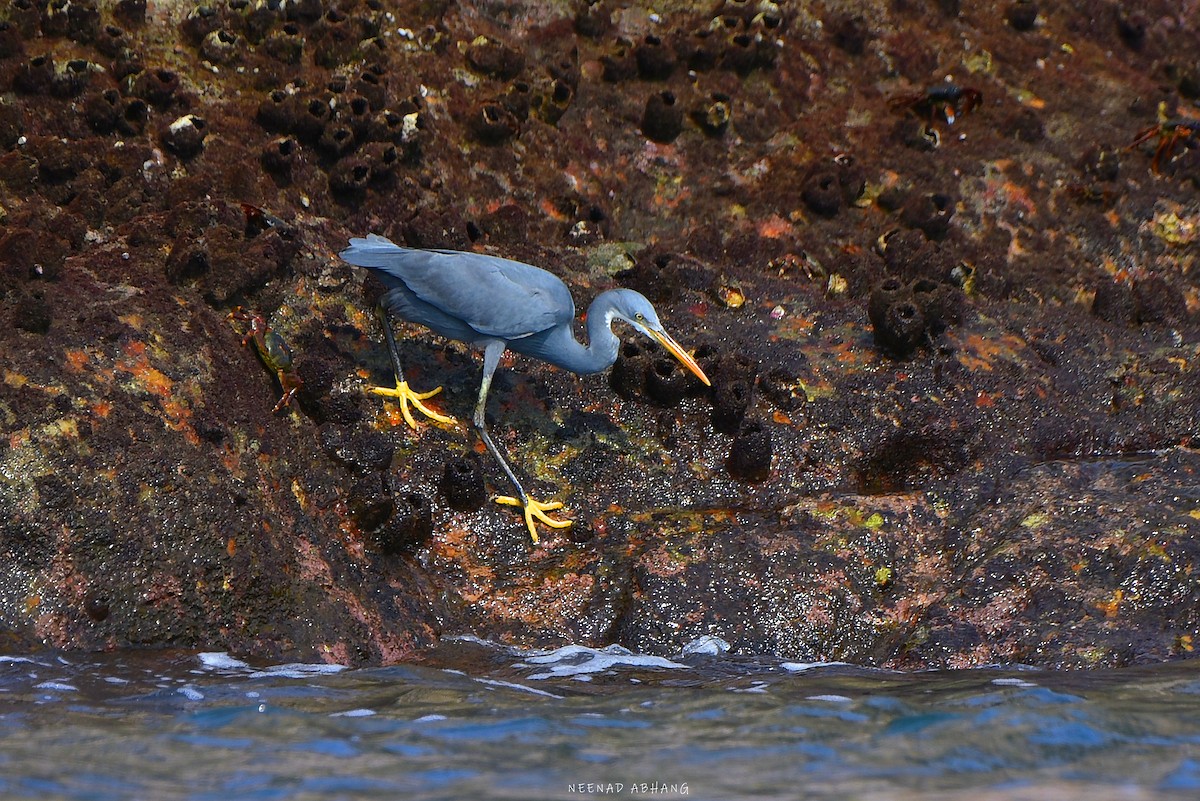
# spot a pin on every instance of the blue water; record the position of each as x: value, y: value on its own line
x: 481, y: 721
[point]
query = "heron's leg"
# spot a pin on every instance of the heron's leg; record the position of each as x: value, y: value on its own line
x: 534, y: 510
x: 403, y: 392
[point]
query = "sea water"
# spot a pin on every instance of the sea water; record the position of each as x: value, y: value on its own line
x: 478, y: 720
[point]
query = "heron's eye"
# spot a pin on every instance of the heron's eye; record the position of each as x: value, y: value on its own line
x: 640, y: 316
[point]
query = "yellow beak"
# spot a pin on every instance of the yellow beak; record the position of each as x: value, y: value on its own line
x: 664, y: 339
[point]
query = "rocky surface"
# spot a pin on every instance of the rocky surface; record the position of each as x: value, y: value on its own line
x: 952, y: 319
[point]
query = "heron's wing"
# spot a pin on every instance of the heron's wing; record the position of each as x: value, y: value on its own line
x: 496, y: 297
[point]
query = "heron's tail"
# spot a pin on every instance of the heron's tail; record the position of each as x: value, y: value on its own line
x: 373, y: 251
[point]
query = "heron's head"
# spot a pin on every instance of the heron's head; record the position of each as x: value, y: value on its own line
x: 633, y: 308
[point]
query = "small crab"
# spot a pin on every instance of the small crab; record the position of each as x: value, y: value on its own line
x: 272, y: 351
x: 947, y: 99
x: 1169, y: 133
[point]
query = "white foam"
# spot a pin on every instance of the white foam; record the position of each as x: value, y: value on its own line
x: 1013, y: 682
x: 298, y: 670
x: 513, y: 685
x: 354, y: 713
x: 800, y: 667
x: 219, y: 660
x: 18, y: 659
x: 706, y: 645
x: 577, y: 660
x: 191, y: 693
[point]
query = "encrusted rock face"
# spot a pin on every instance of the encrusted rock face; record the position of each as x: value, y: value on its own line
x: 949, y: 311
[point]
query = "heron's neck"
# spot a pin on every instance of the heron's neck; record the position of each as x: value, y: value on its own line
x: 562, y: 349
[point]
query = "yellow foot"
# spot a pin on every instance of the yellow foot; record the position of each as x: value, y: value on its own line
x: 406, y: 395
x: 535, y: 510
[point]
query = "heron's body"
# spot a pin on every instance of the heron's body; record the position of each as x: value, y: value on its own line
x: 497, y: 304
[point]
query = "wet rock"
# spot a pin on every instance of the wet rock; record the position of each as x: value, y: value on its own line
x: 354, y: 110
x: 58, y: 160
x: 363, y: 452
x: 350, y: 175
x: 130, y: 12
x: 822, y: 193
x: 409, y: 527
x: 133, y: 117
x: 700, y: 50
x: 27, y: 254
x: 78, y: 20
x: 492, y: 123
x: 495, y: 59
x: 336, y: 36
x: 739, y: 53
x: 199, y: 23
x: 940, y: 304
x: 32, y: 311
x: 518, y: 100
x: 337, y: 139
x: 187, y: 261
x: 185, y: 136
x: 593, y: 19
x: 931, y: 213
x: 852, y: 178
x: 11, y: 125
x: 727, y: 366
x: 112, y: 40
x: 553, y: 104
x: 280, y: 155
x: 1131, y: 28
x: 285, y: 45
x: 383, y: 158
x: 1022, y: 15
x: 913, y: 456
x: 1115, y: 303
x: 35, y: 76
x: 628, y: 374
x: 126, y: 63
x: 896, y: 317
x: 662, y: 120
x: 369, y: 503
x: 275, y: 112
x: 709, y: 357
x: 1025, y: 126
x: 655, y: 59
x: 1158, y: 302
x: 850, y: 33
x: 223, y: 47
x: 25, y: 16
x: 652, y: 276
x: 102, y: 110
x: 437, y: 230
x: 712, y: 114
x: 96, y: 607
x: 750, y: 453
x: 462, y: 483
x: 11, y: 42
x: 1100, y: 164
x: 509, y: 223
x: 666, y: 381
x: 618, y: 66
x: 370, y: 84
x: 731, y: 399
x: 783, y: 390
x: 157, y: 86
